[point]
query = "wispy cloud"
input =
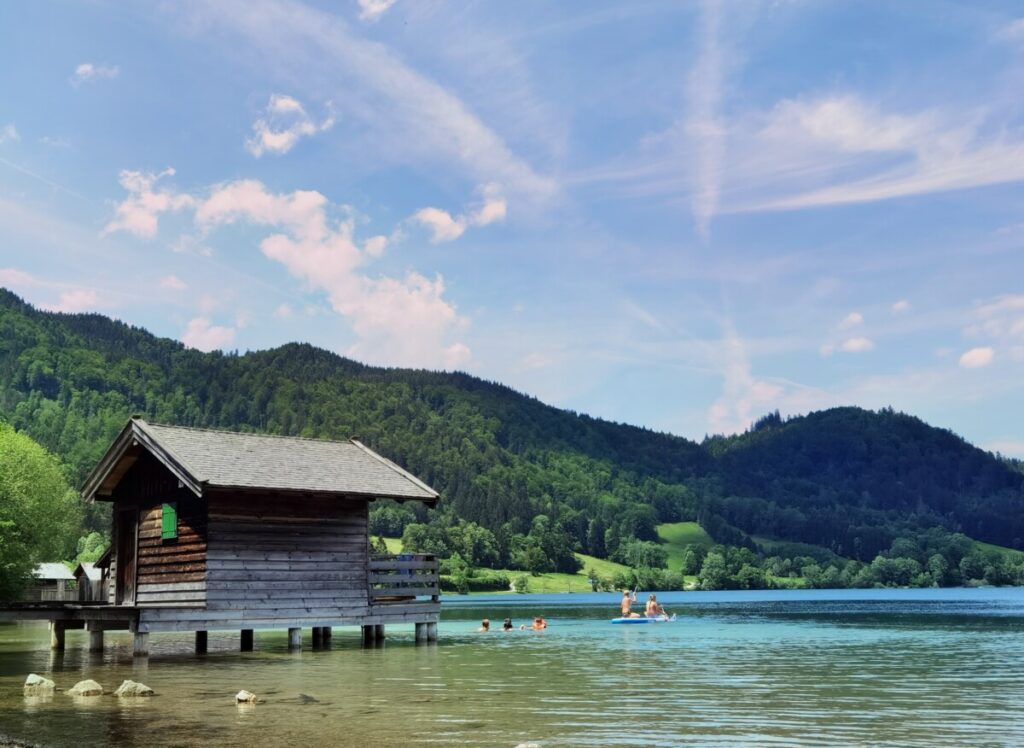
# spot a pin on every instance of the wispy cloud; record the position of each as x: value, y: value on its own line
x: 445, y: 228
x: 900, y: 306
x: 282, y: 124
x: 406, y: 115
x: 173, y: 283
x: 8, y: 133
x: 74, y: 301
x: 71, y: 298
x: 88, y: 72
x: 704, y: 125
x: 372, y: 10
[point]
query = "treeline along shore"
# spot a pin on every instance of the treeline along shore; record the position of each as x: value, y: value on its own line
x: 841, y: 497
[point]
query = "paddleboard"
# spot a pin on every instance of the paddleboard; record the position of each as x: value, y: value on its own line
x: 659, y: 619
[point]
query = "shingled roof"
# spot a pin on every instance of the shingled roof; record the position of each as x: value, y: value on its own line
x: 203, y: 458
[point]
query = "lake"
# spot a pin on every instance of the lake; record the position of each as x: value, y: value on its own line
x: 779, y: 668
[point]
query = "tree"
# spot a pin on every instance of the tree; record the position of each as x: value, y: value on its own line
x: 40, y: 516
x: 693, y: 557
x: 714, y: 575
x: 641, y: 554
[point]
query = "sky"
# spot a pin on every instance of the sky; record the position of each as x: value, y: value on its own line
x: 680, y: 215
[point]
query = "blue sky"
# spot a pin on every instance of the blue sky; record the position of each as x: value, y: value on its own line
x: 679, y: 215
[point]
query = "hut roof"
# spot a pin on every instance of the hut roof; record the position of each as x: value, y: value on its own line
x: 202, y: 458
x: 93, y: 573
x: 52, y: 571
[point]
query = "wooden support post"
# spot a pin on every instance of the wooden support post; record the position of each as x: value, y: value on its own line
x: 57, y: 635
x: 141, y: 648
x: 431, y: 632
x: 246, y: 640
x: 318, y: 636
x: 327, y: 632
x: 369, y: 634
x: 378, y: 632
x: 295, y: 638
x: 201, y: 642
x: 95, y: 640
x: 421, y: 632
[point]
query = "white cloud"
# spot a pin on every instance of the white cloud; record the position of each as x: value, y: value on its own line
x: 173, y: 283
x: 445, y: 228
x: 137, y: 214
x: 8, y: 133
x: 977, y: 358
x: 283, y: 311
x: 283, y: 123
x: 371, y: 10
x: 1001, y: 320
x: 404, y: 321
x: 87, y: 72
x: 857, y: 345
x: 900, y: 306
x: 853, y: 319
x: 74, y: 301
x: 204, y: 336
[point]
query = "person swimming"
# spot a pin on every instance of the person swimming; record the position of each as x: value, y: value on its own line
x: 507, y: 625
x: 627, y: 601
x: 485, y: 626
x: 539, y: 624
x: 653, y: 609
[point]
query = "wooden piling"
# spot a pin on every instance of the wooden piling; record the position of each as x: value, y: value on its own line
x: 247, y: 639
x: 295, y: 638
x: 57, y: 635
x: 95, y: 640
x: 141, y: 644
x: 201, y: 642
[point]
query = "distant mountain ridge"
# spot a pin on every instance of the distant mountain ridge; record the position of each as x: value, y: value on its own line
x: 848, y: 479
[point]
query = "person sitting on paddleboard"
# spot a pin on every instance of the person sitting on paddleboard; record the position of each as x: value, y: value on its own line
x: 627, y: 600
x: 654, y: 609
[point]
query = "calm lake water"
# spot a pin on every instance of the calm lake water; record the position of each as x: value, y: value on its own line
x: 894, y: 667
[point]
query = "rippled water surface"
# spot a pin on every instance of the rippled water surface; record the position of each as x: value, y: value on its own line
x: 906, y: 667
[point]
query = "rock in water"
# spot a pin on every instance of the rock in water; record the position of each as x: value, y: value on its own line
x: 246, y: 697
x: 86, y: 688
x: 38, y: 684
x: 130, y: 688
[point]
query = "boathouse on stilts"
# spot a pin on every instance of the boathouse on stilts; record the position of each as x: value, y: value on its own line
x: 216, y: 530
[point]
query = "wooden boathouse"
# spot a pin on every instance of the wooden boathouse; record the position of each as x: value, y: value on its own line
x: 215, y: 530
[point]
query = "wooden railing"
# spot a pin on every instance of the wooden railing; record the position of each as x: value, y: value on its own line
x: 402, y: 578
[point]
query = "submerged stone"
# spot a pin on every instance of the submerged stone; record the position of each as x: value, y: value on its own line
x: 246, y: 697
x: 86, y: 688
x: 131, y: 689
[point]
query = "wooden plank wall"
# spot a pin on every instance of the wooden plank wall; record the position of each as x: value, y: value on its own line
x: 286, y: 558
x: 170, y: 573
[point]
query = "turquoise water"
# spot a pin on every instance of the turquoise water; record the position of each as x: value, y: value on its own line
x: 799, y: 668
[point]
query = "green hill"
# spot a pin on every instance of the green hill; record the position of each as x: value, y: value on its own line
x: 524, y: 484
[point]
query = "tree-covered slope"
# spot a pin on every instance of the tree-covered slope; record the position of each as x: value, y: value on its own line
x: 848, y: 479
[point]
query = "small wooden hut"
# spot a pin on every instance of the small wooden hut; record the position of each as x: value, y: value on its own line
x: 89, y: 580
x: 223, y: 530
x: 50, y: 582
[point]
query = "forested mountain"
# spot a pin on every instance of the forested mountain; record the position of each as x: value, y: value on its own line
x: 516, y: 475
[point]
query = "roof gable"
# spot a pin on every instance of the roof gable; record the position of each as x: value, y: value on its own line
x: 201, y: 459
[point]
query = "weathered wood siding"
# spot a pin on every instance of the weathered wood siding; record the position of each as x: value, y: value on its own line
x: 287, y: 557
x: 171, y: 572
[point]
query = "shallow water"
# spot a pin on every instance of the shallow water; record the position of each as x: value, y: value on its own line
x: 895, y: 667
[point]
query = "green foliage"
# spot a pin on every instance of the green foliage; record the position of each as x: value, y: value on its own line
x: 641, y: 553
x: 40, y: 516
x: 91, y: 547
x: 526, y: 486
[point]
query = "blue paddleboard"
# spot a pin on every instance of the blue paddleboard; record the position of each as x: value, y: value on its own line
x: 660, y: 619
